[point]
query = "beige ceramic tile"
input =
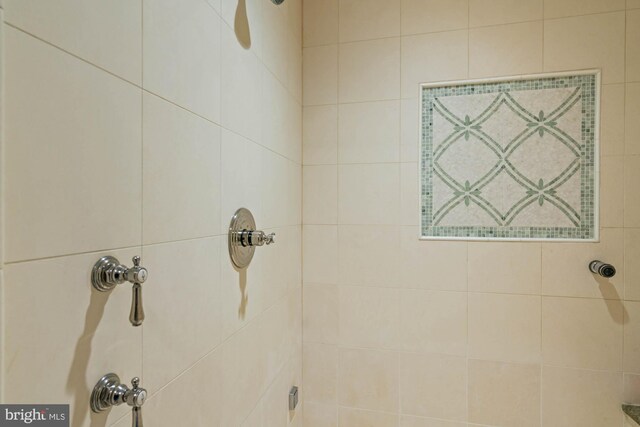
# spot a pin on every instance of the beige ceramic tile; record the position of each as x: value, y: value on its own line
x: 368, y: 379
x: 410, y: 129
x: 582, y: 333
x: 612, y: 191
x: 320, y: 194
x: 369, y: 132
x: 320, y: 365
x: 320, y: 25
x: 369, y: 317
x: 53, y: 170
x: 612, y: 111
x: 359, y: 418
x: 369, y: 70
x: 432, y: 58
x: 565, y: 272
x: 572, y: 397
x: 369, y: 19
x: 283, y: 207
x: 282, y: 126
x: 632, y: 337
x: 108, y: 35
x: 633, y: 46
x: 494, y: 12
x: 181, y: 173
x: 512, y: 267
x: 241, y: 87
x: 190, y: 389
x: 632, y: 125
x: 504, y: 394
x: 316, y: 415
x: 431, y: 264
x: 504, y: 327
x: 559, y: 8
x: 433, y: 322
x: 238, y: 185
x: 377, y: 202
x: 505, y: 50
x: 170, y: 307
x: 409, y: 196
x: 95, y: 336
x: 631, y: 272
x: 320, y: 311
x: 428, y: 16
x: 320, y: 249
x: 409, y: 421
x: 592, y: 41
x: 369, y: 255
x: 320, y: 75
x: 631, y: 184
x: 633, y: 4
x: 631, y: 388
x: 182, y: 54
x: 433, y: 385
x: 280, y: 47
x: 320, y: 135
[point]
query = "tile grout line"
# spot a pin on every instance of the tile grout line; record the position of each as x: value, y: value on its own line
x: 148, y: 91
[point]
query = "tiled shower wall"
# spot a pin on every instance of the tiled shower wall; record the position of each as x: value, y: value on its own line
x: 405, y: 333
x: 139, y: 127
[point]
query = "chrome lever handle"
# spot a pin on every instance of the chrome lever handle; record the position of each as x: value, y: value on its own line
x: 136, y: 417
x: 110, y: 392
x: 108, y: 273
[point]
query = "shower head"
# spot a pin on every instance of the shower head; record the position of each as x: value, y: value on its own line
x: 277, y: 1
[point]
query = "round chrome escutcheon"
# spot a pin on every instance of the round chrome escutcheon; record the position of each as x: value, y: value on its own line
x: 241, y: 256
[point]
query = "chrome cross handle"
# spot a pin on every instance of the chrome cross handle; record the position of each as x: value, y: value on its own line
x: 108, y: 273
x: 255, y: 238
x: 110, y: 392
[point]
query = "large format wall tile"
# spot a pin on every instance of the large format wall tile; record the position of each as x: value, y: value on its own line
x: 72, y: 154
x: 504, y: 394
x: 181, y: 181
x: 369, y: 19
x: 495, y: 12
x: 559, y: 8
x: 182, y: 54
x: 592, y: 41
x: 107, y: 34
x: 572, y: 397
x: 183, y: 307
x: 56, y: 295
x: 427, y: 16
x: 369, y: 132
x: 369, y: 70
x: 582, y: 333
x: 505, y: 50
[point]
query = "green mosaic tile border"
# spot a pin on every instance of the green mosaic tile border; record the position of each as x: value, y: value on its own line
x: 587, y: 228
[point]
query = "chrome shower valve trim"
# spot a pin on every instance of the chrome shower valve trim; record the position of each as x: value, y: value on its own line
x: 243, y: 238
x: 110, y: 392
x: 108, y: 273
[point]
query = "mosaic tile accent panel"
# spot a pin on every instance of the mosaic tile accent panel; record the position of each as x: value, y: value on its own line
x: 514, y: 159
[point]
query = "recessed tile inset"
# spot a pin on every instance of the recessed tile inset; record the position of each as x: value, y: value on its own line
x: 512, y: 159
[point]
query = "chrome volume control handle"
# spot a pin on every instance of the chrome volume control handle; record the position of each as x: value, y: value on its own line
x: 110, y: 392
x: 108, y: 273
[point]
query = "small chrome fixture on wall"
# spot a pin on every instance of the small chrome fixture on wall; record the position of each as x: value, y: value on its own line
x: 108, y: 272
x: 243, y: 238
x: 110, y: 392
x: 602, y: 268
